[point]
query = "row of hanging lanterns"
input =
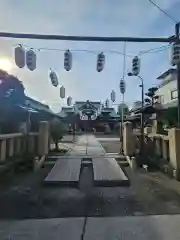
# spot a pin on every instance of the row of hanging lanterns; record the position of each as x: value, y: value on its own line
x: 28, y: 58
x: 55, y: 82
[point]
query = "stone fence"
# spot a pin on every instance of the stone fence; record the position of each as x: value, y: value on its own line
x: 165, y: 147
x: 22, y: 147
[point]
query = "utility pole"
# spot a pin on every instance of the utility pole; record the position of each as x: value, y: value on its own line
x: 142, y: 117
x: 178, y: 73
x: 142, y: 113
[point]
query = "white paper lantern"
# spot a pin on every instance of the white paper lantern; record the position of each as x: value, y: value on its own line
x: 175, y: 54
x: 54, y: 78
x: 69, y: 101
x: 113, y: 96
x: 100, y: 62
x: 62, y: 92
x: 19, y: 56
x: 122, y: 86
x: 107, y: 103
x: 31, y: 60
x: 68, y: 60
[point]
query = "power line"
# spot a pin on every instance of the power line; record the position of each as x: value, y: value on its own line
x: 75, y: 50
x: 163, y: 11
x: 154, y: 50
x: 151, y: 50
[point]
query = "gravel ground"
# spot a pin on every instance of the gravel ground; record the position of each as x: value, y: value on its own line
x: 23, y: 195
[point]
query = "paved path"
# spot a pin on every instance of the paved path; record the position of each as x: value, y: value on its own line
x: 106, y: 170
x: 165, y: 227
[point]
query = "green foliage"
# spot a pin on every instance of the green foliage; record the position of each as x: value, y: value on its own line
x: 150, y: 95
x: 57, y: 131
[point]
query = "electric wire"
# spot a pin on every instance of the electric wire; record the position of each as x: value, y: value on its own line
x: 151, y: 50
x: 163, y: 11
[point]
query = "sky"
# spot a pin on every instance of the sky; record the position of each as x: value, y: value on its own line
x: 87, y: 18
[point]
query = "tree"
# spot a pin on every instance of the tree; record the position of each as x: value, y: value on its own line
x: 57, y: 131
x: 151, y: 95
x: 11, y: 89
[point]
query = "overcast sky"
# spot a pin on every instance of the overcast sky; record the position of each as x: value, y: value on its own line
x: 87, y: 17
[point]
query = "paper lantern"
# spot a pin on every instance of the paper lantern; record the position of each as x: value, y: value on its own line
x: 69, y: 101
x: 113, y: 96
x: 62, y: 92
x: 54, y: 78
x: 19, y: 56
x: 100, y: 62
x: 31, y: 60
x: 107, y: 103
x: 68, y: 60
x: 122, y: 86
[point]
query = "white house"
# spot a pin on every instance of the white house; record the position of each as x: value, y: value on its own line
x: 167, y: 91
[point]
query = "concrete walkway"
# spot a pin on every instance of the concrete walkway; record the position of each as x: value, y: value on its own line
x: 165, y: 227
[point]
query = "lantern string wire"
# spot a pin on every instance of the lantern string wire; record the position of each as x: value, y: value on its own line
x: 151, y: 50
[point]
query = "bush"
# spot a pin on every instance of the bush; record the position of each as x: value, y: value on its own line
x: 57, y: 131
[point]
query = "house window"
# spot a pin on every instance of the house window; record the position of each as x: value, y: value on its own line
x: 160, y: 99
x: 174, y: 94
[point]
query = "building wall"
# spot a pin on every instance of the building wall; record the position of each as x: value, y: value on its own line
x: 167, y: 91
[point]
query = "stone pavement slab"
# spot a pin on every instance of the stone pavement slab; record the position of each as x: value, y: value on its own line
x: 66, y: 171
x: 164, y: 227
x: 110, y: 139
x: 42, y: 229
x: 106, y: 170
x: 108, y: 173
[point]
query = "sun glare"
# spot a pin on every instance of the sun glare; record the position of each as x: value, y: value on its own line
x: 5, y: 64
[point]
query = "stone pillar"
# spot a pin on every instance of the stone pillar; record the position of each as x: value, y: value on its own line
x: 128, y: 139
x: 31, y: 144
x: 23, y: 127
x: 43, y: 138
x: 174, y: 148
x: 165, y: 149
x: 2, y: 150
x: 18, y: 150
x: 147, y: 130
x: 11, y: 147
